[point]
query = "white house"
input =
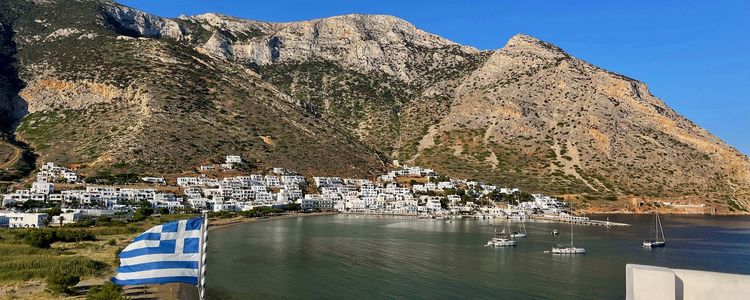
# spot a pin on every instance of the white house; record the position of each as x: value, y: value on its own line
x: 71, y: 177
x: 25, y: 220
x: 316, y: 203
x: 188, y: 181
x: 454, y: 199
x: 272, y: 181
x: 45, y: 188
x: 433, y: 204
x: 159, y: 180
x: 419, y: 188
x: 17, y: 196
x: 50, y: 173
x: 68, y: 218
x: 445, y: 185
x: 233, y: 159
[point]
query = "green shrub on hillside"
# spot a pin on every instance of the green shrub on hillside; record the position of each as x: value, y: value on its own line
x: 59, y: 283
x: 108, y: 291
x: 43, y: 238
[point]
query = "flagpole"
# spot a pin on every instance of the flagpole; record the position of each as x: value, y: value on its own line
x: 202, y: 258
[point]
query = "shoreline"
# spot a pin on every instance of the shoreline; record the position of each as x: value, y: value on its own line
x: 718, y: 214
x: 223, y: 223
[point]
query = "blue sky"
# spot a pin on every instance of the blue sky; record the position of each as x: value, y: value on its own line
x: 694, y: 55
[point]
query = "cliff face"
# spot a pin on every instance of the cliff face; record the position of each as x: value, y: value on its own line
x: 12, y: 107
x: 364, y: 43
x: 340, y: 95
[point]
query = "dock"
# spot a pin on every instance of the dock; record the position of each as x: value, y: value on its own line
x: 576, y: 220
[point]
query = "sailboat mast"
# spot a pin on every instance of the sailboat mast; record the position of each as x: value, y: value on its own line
x: 661, y: 228
x: 571, y: 234
x: 510, y: 234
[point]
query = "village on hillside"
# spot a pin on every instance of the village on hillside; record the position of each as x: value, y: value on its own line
x: 405, y: 190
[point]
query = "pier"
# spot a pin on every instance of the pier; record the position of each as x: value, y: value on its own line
x: 576, y: 220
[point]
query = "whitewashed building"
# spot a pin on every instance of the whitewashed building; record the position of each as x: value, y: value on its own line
x: 25, y: 220
x: 233, y: 159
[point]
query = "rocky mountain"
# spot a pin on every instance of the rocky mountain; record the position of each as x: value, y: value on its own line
x: 118, y: 89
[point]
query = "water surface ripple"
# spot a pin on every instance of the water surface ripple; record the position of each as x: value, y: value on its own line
x: 345, y: 257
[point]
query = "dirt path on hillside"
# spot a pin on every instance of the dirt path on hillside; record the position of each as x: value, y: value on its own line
x: 16, y: 156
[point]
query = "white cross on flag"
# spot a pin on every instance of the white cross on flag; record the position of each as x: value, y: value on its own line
x: 163, y: 254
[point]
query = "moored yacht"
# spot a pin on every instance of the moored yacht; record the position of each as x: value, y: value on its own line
x: 502, y: 240
x: 572, y: 249
x: 567, y: 250
x: 656, y: 242
x: 521, y: 233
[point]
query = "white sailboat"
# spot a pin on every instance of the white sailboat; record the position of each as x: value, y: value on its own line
x: 656, y: 242
x: 521, y: 233
x: 570, y: 249
x: 502, y: 239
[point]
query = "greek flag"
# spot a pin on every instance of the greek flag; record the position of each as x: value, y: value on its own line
x: 164, y: 254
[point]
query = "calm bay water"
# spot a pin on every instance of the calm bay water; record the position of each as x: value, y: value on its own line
x: 343, y: 256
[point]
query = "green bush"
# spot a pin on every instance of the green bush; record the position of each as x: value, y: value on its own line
x: 142, y: 213
x: 43, y: 238
x: 108, y: 291
x: 39, y: 238
x: 55, y: 211
x: 222, y: 214
x: 59, y: 283
x: 74, y: 235
x: 260, y: 212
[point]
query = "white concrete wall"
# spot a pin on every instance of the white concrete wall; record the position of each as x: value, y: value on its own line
x: 650, y: 282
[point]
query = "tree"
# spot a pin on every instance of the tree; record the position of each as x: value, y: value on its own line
x: 444, y: 202
x: 55, y: 211
x: 74, y: 203
x: 293, y: 207
x: 143, y: 212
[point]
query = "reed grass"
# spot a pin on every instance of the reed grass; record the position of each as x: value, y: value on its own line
x: 20, y: 261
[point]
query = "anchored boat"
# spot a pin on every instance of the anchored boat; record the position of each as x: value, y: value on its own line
x: 656, y: 242
x: 521, y: 233
x: 572, y: 249
x: 502, y: 239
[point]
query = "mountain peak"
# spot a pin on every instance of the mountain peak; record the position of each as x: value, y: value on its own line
x: 526, y: 43
x: 523, y: 38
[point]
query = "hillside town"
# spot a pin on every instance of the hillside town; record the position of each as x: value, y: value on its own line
x: 405, y: 190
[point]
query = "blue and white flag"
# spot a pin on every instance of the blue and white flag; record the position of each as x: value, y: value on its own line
x: 164, y: 254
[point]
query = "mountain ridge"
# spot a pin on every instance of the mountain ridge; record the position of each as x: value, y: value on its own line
x: 345, y: 95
